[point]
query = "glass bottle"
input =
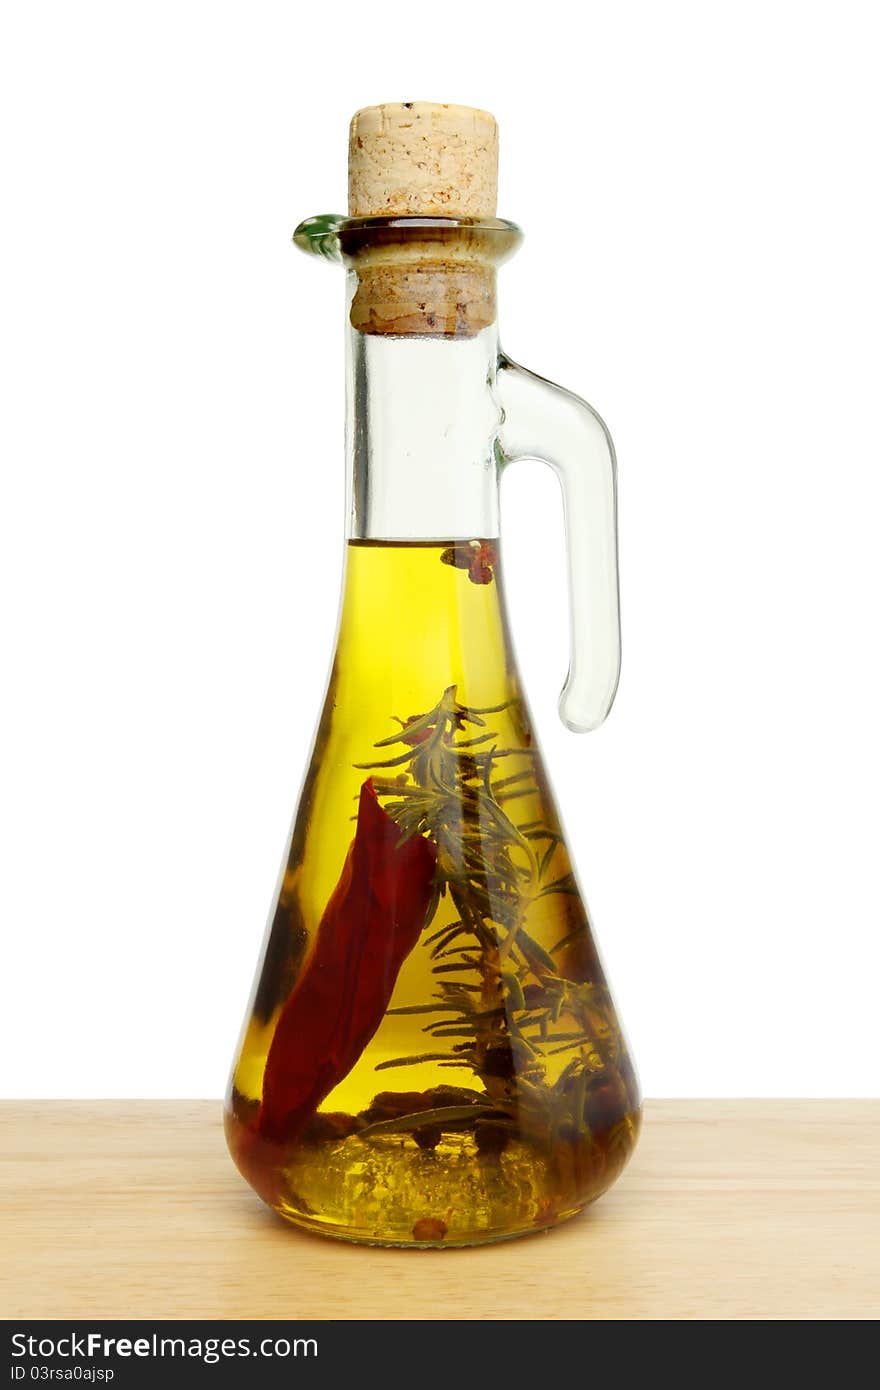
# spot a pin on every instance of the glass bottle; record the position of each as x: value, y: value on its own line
x: 431, y: 1056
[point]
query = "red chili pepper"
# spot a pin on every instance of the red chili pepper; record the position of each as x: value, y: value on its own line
x: 417, y: 736
x: 371, y: 923
x: 420, y: 736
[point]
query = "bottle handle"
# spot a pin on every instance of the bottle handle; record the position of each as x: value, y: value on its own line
x: 545, y: 422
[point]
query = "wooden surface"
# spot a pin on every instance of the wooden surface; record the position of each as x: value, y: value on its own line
x: 730, y: 1209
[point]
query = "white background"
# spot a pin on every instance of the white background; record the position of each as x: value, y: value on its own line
x: 698, y: 185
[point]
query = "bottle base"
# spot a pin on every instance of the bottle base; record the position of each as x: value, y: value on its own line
x: 394, y: 1194
x: 465, y: 1241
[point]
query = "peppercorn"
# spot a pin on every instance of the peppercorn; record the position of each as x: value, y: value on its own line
x: 429, y: 1228
x: 428, y: 1136
x: 498, y: 1061
x: 604, y: 1106
x: 490, y: 1139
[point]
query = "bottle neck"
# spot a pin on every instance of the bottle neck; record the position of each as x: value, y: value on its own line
x: 422, y: 420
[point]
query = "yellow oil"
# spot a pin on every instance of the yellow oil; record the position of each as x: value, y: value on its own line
x: 495, y: 1096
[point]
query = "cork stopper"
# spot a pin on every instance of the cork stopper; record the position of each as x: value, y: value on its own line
x: 422, y: 159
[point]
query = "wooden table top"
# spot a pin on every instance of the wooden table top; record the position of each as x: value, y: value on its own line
x: 730, y: 1209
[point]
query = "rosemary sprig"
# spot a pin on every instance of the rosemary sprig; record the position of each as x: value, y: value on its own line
x: 500, y: 996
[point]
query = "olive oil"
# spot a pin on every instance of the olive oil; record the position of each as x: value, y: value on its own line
x: 431, y: 1055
